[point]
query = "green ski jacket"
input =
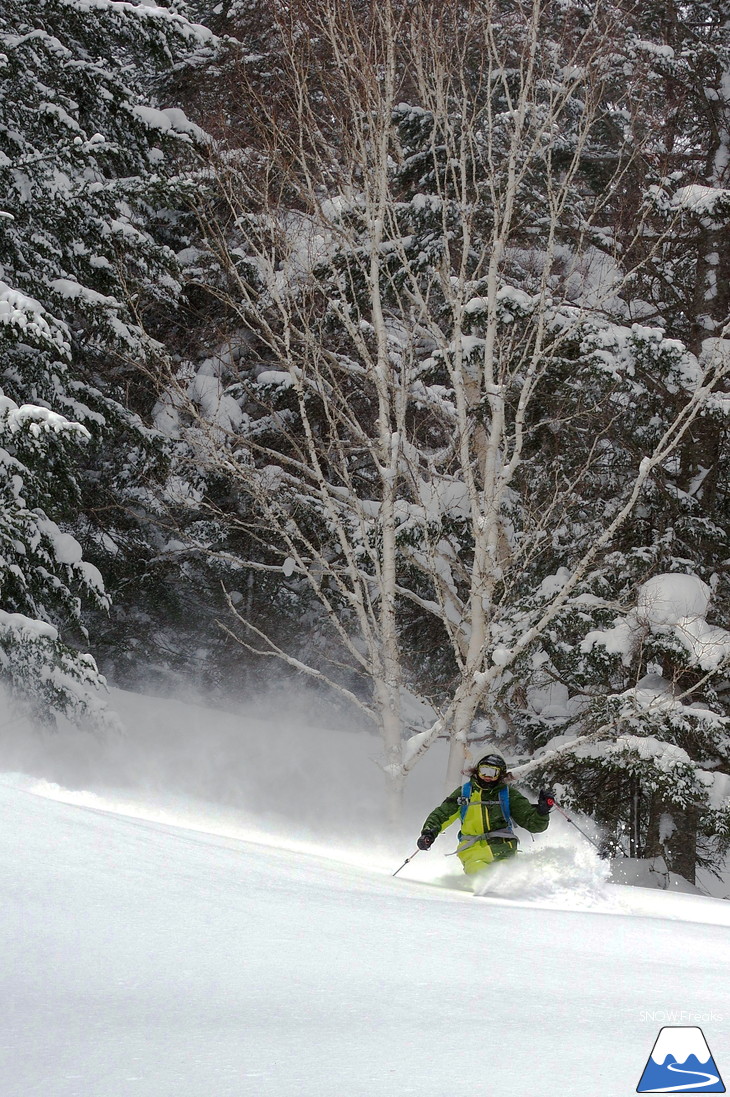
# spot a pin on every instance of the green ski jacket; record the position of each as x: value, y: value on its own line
x: 484, y: 813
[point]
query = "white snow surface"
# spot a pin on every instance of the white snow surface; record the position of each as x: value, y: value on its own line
x: 680, y: 603
x: 147, y: 959
x: 170, y: 119
x: 670, y: 598
x: 28, y: 315
x: 158, y: 943
x: 700, y: 199
x: 670, y: 603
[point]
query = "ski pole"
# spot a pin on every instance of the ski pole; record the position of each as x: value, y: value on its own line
x: 552, y: 802
x: 406, y: 862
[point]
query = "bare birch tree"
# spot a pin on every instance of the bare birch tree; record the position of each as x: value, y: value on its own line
x: 415, y: 240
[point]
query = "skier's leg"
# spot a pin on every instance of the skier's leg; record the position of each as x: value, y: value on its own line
x: 504, y: 848
x: 476, y: 858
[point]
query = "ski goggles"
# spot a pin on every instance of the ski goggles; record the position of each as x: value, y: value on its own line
x: 489, y: 772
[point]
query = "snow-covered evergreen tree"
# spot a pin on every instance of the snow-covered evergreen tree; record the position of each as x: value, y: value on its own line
x: 681, y: 54
x: 42, y: 574
x: 88, y: 166
x: 677, y: 57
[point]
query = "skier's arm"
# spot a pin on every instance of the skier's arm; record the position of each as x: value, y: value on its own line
x: 526, y: 814
x: 444, y: 815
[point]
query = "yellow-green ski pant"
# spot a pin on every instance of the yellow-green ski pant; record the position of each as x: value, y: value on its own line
x: 479, y: 856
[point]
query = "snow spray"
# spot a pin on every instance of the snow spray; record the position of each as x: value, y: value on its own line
x: 553, y: 803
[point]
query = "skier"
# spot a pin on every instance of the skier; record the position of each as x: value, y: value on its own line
x: 487, y: 806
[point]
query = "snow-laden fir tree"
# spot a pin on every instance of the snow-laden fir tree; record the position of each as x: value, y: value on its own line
x: 43, y: 577
x: 663, y: 796
x: 88, y: 175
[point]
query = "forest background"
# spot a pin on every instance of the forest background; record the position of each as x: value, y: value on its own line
x: 380, y: 351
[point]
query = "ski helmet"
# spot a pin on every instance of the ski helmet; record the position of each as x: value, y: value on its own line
x: 490, y: 769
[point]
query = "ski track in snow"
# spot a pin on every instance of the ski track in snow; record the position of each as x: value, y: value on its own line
x: 200, y: 908
x: 142, y: 959
x: 566, y: 874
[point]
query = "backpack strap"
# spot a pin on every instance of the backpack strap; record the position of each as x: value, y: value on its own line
x: 464, y: 800
x: 504, y: 804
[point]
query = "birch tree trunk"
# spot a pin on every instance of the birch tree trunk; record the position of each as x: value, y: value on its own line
x: 369, y: 240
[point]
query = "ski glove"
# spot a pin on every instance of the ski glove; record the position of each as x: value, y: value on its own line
x: 545, y: 801
x: 426, y: 840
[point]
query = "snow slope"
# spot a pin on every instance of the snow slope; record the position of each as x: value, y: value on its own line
x: 146, y: 960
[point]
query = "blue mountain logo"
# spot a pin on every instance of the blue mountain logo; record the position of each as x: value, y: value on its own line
x: 680, y: 1062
